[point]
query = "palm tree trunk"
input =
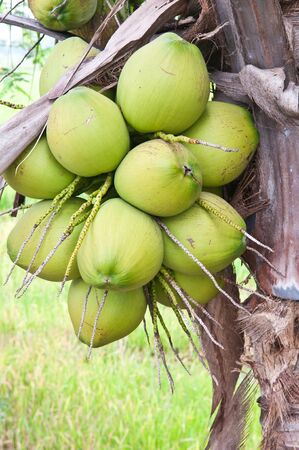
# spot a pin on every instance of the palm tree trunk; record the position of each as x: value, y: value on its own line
x: 256, y: 36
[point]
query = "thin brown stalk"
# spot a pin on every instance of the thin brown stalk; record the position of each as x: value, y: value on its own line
x: 33, y: 25
x: 246, y: 289
x: 254, y: 250
x: 23, y: 59
x: 12, y: 210
x: 10, y: 10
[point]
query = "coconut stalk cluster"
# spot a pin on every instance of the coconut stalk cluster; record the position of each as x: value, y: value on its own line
x: 129, y: 188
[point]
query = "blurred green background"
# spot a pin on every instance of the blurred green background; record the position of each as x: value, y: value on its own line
x: 50, y: 397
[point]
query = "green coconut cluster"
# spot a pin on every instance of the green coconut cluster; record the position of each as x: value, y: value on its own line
x: 131, y: 225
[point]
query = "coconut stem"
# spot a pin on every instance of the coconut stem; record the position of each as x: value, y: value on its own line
x: 68, y: 231
x: 11, y: 105
x: 84, y: 311
x: 175, y: 351
x: 254, y: 250
x: 20, y: 293
x: 75, y: 220
x: 195, y: 322
x: 3, y: 187
x: 95, y: 324
x: 186, y: 140
x: 199, y: 264
x: 183, y: 321
x: 19, y: 254
x: 42, y: 238
x: 97, y: 204
x: 12, y: 210
x: 246, y: 289
x: 183, y: 295
x: 148, y: 296
x: 59, y: 200
x: 161, y: 353
x: 193, y: 313
x: 54, y: 208
x: 225, y: 219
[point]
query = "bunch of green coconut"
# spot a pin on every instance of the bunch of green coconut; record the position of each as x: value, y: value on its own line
x: 133, y: 225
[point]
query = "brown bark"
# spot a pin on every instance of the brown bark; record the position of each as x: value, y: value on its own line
x: 257, y: 36
x: 271, y: 349
x: 33, y: 25
x: 224, y: 365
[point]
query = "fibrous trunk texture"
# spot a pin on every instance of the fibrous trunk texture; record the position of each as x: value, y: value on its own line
x: 257, y: 37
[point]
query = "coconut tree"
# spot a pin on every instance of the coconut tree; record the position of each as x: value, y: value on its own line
x: 254, y: 62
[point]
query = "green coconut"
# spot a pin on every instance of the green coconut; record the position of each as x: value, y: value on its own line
x: 36, y: 173
x: 123, y: 248
x: 231, y: 126
x: 65, y: 55
x: 209, y: 238
x: 159, y: 178
x: 87, y: 133
x: 164, y: 86
x: 121, y: 314
x: 62, y: 15
x: 200, y: 287
x: 55, y: 269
